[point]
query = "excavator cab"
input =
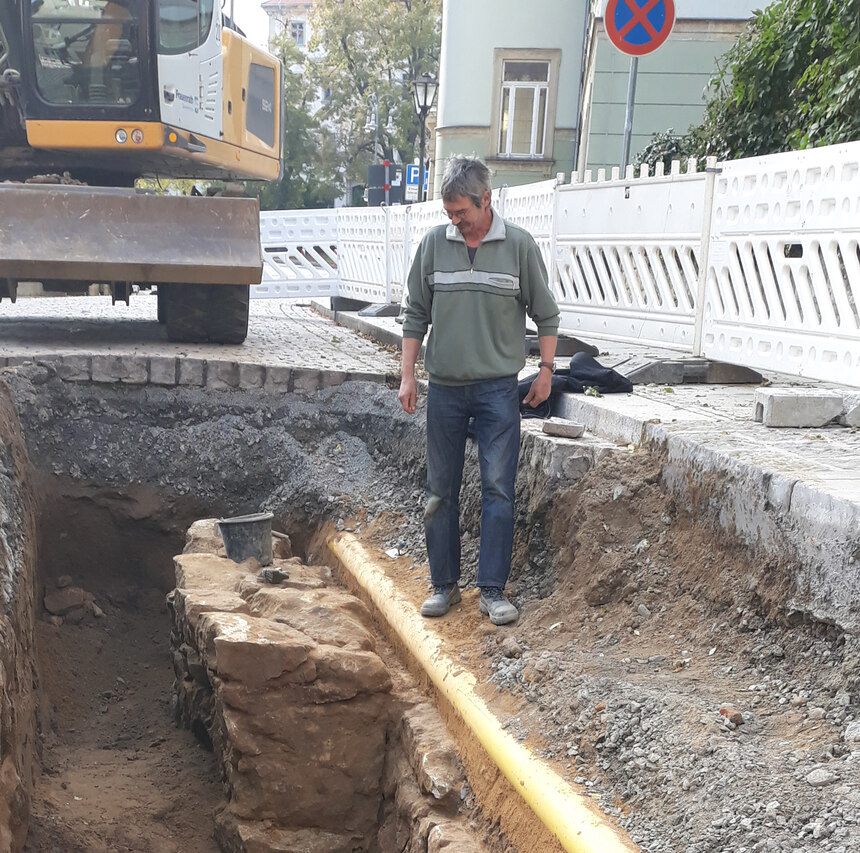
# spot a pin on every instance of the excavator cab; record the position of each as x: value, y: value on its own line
x: 114, y: 90
x: 87, y: 56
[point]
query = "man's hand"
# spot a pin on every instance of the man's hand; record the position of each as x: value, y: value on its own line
x: 540, y: 389
x: 408, y: 394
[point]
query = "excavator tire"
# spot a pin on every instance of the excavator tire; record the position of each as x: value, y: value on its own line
x: 206, y: 313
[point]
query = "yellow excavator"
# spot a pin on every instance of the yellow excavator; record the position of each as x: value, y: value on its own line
x: 110, y: 91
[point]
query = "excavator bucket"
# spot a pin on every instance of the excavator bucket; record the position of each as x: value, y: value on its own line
x: 98, y: 235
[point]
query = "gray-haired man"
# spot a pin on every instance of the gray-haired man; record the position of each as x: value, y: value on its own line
x: 473, y: 282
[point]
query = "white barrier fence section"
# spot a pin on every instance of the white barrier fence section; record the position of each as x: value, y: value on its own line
x: 532, y: 207
x: 627, y: 257
x: 783, y: 278
x: 753, y: 262
x: 299, y: 254
x: 363, y: 254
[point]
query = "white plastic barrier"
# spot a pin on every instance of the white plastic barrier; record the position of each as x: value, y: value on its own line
x: 299, y: 254
x: 532, y: 207
x: 363, y: 255
x: 753, y: 262
x: 783, y: 277
x: 627, y: 257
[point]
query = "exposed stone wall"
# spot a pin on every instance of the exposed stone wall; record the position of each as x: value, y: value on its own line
x: 316, y: 751
x: 17, y: 649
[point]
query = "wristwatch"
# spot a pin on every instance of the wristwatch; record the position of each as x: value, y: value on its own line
x: 550, y: 365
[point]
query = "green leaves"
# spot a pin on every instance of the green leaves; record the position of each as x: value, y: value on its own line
x: 366, y: 48
x: 792, y: 80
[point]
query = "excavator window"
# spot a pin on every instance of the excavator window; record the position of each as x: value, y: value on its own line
x: 183, y: 24
x: 86, y: 51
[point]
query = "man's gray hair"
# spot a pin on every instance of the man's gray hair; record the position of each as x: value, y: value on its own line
x: 465, y: 176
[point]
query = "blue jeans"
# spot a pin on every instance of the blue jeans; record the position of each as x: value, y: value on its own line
x: 494, y: 404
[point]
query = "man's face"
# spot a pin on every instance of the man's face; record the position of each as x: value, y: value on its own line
x: 467, y: 216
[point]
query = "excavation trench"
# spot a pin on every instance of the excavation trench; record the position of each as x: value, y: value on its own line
x: 644, y: 627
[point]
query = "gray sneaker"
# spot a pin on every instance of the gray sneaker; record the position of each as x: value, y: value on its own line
x: 494, y: 604
x: 441, y: 601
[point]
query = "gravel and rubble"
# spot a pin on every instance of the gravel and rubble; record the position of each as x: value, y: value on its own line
x: 656, y: 663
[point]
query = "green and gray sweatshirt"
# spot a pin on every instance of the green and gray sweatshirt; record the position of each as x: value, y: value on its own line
x: 477, y: 310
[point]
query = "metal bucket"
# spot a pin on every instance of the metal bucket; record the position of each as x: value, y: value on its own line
x: 247, y: 536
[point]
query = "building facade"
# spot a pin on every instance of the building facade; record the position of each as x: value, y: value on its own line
x: 509, y: 85
x: 290, y: 16
x: 538, y: 88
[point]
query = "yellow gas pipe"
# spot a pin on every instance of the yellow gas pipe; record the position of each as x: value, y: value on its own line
x: 570, y: 817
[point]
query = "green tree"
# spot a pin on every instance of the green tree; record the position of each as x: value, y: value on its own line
x: 792, y: 80
x: 362, y: 48
x: 663, y: 148
x: 310, y: 178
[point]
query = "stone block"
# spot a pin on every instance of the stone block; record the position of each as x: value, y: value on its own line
x: 329, y: 675
x: 135, y: 370
x: 306, y: 381
x: 452, y: 837
x: 192, y: 372
x: 190, y: 605
x: 251, y: 376
x: 796, y: 407
x: 432, y: 755
x: 206, y: 571
x: 278, y: 380
x: 62, y: 601
x: 203, y: 538
x: 163, y: 371
x: 132, y: 370
x: 248, y: 650
x: 562, y: 428
x: 852, y: 410
x: 222, y: 376
x: 328, y: 616
x: 74, y: 368
x: 332, y: 378
x: 242, y: 836
x: 334, y: 775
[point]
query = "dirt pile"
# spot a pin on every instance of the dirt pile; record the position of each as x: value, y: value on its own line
x: 654, y: 666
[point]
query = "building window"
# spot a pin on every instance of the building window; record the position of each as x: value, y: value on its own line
x: 523, y: 116
x: 297, y: 32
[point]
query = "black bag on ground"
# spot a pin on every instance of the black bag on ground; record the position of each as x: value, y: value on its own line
x: 584, y: 372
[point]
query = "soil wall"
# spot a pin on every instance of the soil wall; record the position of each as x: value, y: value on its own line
x: 18, y: 679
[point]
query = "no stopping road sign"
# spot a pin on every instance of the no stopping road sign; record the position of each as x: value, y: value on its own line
x: 637, y: 27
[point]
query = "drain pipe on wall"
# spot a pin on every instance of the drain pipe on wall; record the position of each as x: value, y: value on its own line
x: 571, y: 818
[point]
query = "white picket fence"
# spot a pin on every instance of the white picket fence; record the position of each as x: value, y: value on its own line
x: 753, y: 262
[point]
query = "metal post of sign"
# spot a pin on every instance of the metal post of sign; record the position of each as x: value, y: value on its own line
x: 628, y: 119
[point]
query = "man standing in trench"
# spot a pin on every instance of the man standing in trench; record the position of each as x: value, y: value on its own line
x: 473, y: 282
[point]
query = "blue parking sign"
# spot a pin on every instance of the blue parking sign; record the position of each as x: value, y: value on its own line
x: 412, y: 176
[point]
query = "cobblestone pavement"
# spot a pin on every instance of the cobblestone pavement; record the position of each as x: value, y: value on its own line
x: 282, y: 332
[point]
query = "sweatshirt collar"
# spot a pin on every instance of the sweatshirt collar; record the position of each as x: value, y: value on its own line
x: 497, y: 230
